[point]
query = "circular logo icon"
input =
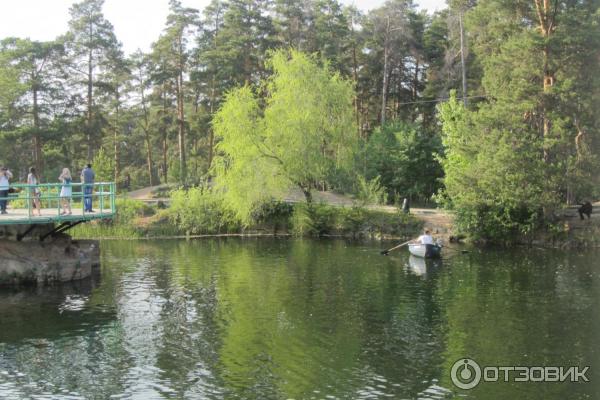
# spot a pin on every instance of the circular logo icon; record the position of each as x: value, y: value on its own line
x: 465, y: 373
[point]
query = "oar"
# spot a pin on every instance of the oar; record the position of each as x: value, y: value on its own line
x: 385, y: 252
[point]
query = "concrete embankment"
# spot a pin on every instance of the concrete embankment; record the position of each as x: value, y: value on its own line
x: 28, y: 260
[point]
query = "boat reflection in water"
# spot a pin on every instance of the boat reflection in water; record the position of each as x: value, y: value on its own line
x: 422, y: 266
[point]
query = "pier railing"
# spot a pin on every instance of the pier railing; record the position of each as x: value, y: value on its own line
x: 21, y: 202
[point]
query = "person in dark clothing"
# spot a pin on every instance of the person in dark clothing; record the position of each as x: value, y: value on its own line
x: 585, y: 209
x: 406, y: 205
x: 87, y: 178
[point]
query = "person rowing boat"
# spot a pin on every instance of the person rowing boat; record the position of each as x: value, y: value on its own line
x: 425, y: 238
x: 425, y: 246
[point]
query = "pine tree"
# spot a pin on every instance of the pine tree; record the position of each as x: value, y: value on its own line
x: 89, y: 42
x: 40, y: 74
x: 171, y: 54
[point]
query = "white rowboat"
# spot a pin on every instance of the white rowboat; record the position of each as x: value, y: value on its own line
x: 425, y: 250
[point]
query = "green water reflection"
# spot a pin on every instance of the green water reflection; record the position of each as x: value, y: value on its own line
x: 300, y: 319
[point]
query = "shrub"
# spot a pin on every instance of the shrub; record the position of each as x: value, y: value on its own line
x: 313, y: 219
x: 122, y: 226
x: 274, y: 214
x: 201, y: 211
x: 320, y: 219
x: 395, y: 224
x: 352, y: 221
x: 129, y: 209
x: 371, y: 191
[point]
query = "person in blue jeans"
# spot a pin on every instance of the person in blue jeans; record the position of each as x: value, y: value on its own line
x: 87, y: 178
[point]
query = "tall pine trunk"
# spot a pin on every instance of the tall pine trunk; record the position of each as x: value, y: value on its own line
x: 181, y: 116
x: 463, y: 63
x: 355, y: 79
x: 165, y: 143
x: 546, y: 26
x: 117, y: 158
x: 147, y: 139
x: 89, y: 102
x: 37, y: 140
x: 415, y: 89
x: 211, y: 132
x: 384, y: 88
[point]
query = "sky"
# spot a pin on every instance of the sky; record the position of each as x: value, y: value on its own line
x: 137, y: 23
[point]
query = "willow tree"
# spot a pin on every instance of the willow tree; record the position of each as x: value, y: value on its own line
x: 303, y: 135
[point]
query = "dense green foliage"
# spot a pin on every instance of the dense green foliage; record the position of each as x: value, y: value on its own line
x: 199, y: 211
x: 125, y: 225
x: 303, y: 137
x: 403, y: 156
x: 515, y: 158
x: 63, y: 101
x: 321, y: 219
x: 259, y: 96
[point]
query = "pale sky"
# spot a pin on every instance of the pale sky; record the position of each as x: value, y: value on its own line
x: 137, y: 23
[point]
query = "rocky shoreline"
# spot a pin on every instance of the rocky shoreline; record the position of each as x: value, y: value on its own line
x: 35, y: 262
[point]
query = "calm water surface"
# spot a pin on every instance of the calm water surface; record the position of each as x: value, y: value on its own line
x: 300, y: 319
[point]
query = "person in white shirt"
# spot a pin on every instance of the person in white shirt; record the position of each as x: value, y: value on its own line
x: 34, y: 191
x: 426, y: 238
x: 5, y: 176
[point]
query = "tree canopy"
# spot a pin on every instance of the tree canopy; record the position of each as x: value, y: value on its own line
x: 532, y: 146
x: 524, y: 142
x: 303, y: 136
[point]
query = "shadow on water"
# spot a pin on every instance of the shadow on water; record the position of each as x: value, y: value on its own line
x: 31, y: 312
x: 283, y: 318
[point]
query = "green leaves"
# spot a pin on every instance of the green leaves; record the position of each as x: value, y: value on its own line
x: 403, y: 156
x: 513, y: 160
x: 304, y: 133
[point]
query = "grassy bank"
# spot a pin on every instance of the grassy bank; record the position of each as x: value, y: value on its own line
x: 195, y: 213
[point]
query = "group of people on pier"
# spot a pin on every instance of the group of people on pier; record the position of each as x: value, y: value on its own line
x: 33, y: 181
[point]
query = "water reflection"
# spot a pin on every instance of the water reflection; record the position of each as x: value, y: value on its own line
x: 422, y: 266
x: 31, y: 313
x: 271, y: 319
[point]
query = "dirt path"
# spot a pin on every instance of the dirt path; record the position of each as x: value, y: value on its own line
x: 143, y: 194
x: 147, y: 195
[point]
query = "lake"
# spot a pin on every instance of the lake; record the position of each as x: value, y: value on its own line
x: 302, y: 319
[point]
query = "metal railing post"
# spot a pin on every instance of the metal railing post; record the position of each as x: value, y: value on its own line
x: 113, y: 190
x: 28, y: 201
x: 101, y: 187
